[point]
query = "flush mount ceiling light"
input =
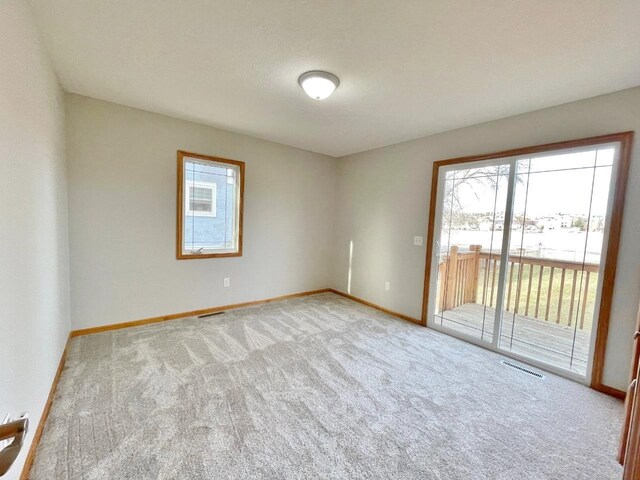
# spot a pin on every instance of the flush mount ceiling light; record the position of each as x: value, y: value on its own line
x: 318, y: 84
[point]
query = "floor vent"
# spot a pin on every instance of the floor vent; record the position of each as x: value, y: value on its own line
x: 210, y: 314
x: 522, y: 369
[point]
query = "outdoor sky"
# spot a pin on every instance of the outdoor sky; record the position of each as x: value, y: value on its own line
x: 560, y: 183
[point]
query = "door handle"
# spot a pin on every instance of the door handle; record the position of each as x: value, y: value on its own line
x: 636, y: 335
x: 17, y: 430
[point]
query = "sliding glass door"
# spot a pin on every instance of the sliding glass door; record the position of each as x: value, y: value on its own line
x: 518, y: 250
x: 471, y: 223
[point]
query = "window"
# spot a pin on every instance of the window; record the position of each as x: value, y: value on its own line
x: 202, y: 199
x: 210, y: 193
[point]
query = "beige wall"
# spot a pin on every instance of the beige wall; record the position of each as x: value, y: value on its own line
x: 122, y: 204
x: 34, y: 284
x: 383, y: 196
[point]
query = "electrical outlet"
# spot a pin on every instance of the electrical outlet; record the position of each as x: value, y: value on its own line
x: 226, y: 282
x: 417, y: 241
x: 387, y: 286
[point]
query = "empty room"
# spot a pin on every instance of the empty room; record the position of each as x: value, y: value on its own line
x: 278, y: 239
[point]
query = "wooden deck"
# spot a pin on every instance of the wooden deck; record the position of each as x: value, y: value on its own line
x: 545, y: 341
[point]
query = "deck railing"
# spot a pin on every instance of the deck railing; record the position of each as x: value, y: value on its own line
x: 551, y: 290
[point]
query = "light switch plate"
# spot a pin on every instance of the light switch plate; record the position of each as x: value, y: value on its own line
x: 387, y: 286
x: 226, y: 282
x: 417, y: 241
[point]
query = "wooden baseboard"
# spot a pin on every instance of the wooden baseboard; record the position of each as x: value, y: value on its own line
x: 377, y: 307
x: 205, y: 311
x: 193, y: 313
x: 26, y: 469
x: 614, y: 392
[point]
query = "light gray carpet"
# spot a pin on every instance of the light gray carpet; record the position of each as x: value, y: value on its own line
x: 316, y: 387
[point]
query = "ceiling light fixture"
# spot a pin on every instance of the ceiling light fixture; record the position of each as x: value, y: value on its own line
x: 318, y: 84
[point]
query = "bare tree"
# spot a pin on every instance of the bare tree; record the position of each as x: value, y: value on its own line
x: 486, y: 177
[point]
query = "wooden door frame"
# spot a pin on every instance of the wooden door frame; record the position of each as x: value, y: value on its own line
x: 615, y: 227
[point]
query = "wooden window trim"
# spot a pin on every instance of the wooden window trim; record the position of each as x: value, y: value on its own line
x: 180, y: 206
x: 611, y: 257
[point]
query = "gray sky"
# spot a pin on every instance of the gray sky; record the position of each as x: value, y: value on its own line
x: 556, y: 184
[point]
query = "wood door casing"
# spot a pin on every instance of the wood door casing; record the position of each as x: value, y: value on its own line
x: 631, y: 402
x: 632, y: 453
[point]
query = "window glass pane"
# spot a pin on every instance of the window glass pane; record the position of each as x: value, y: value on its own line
x: 472, y: 221
x: 210, y: 221
x: 555, y: 250
x: 605, y: 156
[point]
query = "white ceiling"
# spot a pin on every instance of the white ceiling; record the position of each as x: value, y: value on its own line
x: 407, y: 68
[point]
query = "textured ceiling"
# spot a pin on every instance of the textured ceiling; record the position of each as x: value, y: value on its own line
x: 407, y: 68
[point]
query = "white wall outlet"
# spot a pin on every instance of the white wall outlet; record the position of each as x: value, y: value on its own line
x: 226, y: 282
x: 387, y: 286
x: 417, y: 241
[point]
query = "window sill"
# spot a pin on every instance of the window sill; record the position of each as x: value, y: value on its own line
x: 191, y: 256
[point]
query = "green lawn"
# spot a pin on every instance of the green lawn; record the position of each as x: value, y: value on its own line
x: 544, y: 297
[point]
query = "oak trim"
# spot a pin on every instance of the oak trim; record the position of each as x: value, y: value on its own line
x: 193, y: 313
x: 180, y: 206
x: 614, y: 392
x: 628, y: 406
x: 377, y: 307
x: 611, y: 258
x: 28, y: 463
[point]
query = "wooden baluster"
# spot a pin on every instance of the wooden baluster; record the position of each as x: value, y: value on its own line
x: 443, y: 291
x: 464, y: 282
x: 535, y: 315
x: 468, y: 281
x: 456, y: 280
x: 493, y: 281
x: 510, y: 266
x: 526, y: 308
x: 442, y: 279
x: 546, y: 315
x: 561, y: 293
x: 485, y: 282
x: 472, y: 281
x: 460, y: 279
x: 584, y: 300
x: 475, y: 273
x: 518, y: 287
x: 449, y: 298
x: 573, y: 297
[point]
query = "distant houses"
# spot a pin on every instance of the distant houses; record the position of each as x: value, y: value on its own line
x: 561, y: 221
